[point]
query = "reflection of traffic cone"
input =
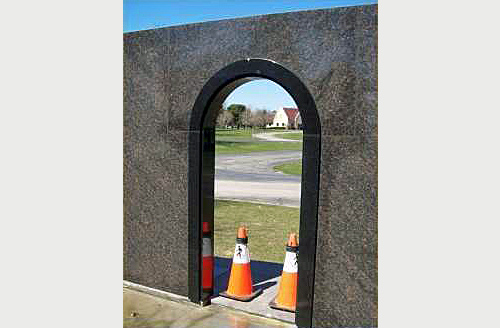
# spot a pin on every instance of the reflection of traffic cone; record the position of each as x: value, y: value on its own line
x: 240, y: 280
x: 239, y: 322
x: 208, y: 260
x: 287, y: 292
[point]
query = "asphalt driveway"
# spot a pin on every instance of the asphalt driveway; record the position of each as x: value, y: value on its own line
x: 250, y: 177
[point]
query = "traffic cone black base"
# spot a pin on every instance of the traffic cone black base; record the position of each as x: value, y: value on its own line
x: 274, y: 305
x: 246, y: 298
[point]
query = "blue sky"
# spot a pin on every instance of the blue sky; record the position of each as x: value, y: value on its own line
x: 261, y: 94
x: 148, y: 14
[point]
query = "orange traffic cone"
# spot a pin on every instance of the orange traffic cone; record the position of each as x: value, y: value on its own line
x: 287, y: 291
x: 208, y: 260
x: 240, y: 280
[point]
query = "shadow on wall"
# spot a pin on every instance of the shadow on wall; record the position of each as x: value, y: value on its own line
x: 261, y: 272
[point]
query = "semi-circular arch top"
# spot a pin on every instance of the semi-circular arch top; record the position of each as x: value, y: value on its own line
x: 242, y: 71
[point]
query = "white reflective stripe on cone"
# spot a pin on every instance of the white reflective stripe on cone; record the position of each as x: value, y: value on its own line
x: 241, y: 254
x: 206, y: 249
x: 290, y: 265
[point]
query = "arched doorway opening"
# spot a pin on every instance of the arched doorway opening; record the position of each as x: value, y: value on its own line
x: 201, y: 170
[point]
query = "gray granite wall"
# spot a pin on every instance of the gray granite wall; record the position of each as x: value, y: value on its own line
x: 334, y: 53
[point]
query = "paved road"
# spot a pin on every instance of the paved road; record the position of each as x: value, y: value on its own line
x: 250, y: 177
x: 269, y: 136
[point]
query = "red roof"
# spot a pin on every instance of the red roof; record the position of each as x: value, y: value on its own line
x: 291, y: 113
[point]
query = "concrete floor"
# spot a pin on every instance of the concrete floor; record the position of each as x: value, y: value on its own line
x: 141, y: 309
x: 265, y: 275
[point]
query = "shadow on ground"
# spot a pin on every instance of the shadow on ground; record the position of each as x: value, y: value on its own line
x: 262, y: 271
x: 265, y: 276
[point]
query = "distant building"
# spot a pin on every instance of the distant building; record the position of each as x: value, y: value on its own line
x: 287, y: 117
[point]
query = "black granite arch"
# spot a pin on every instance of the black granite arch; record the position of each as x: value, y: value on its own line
x: 201, y: 153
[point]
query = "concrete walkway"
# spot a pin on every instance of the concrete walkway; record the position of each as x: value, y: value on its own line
x: 141, y: 309
x: 271, y: 193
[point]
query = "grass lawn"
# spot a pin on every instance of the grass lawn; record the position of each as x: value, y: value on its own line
x: 291, y: 135
x: 290, y: 167
x: 234, y: 141
x: 268, y: 228
x: 234, y: 133
x: 242, y: 135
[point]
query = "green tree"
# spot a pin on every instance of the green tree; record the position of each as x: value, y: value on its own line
x: 225, y: 118
x: 237, y: 110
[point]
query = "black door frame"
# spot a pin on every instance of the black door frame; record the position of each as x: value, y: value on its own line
x: 201, y: 156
